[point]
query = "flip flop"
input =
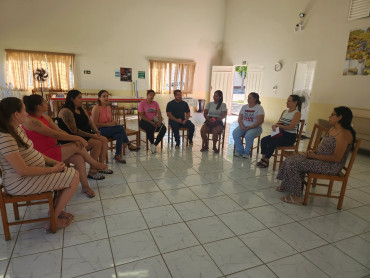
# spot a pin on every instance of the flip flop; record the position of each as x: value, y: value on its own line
x: 66, y: 223
x: 279, y: 189
x: 65, y: 214
x: 106, y: 171
x: 119, y: 160
x: 290, y: 200
x: 204, y: 149
x: 96, y: 176
x: 263, y: 164
x: 88, y: 192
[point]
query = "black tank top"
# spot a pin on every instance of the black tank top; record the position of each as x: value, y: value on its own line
x: 82, y: 123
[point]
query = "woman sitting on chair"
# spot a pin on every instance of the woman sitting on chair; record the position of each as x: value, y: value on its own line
x: 329, y: 158
x: 73, y: 119
x: 151, y: 120
x: 102, y: 117
x: 288, y: 126
x: 214, y: 113
x: 24, y: 170
x: 44, y: 133
x: 251, y: 118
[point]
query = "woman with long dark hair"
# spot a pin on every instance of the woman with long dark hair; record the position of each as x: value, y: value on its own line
x: 214, y: 113
x: 251, y: 118
x: 101, y: 115
x: 24, y: 169
x: 44, y: 133
x: 73, y: 119
x: 288, y: 126
x: 329, y: 158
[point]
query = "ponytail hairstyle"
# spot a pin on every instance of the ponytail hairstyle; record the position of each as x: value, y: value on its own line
x: 72, y: 94
x: 256, y: 97
x: 8, y: 106
x: 31, y: 103
x: 296, y: 98
x: 346, y: 120
x: 99, y: 95
x: 219, y: 93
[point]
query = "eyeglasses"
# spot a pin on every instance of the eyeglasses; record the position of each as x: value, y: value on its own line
x: 333, y: 114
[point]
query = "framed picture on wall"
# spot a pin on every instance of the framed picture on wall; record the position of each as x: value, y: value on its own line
x: 126, y: 74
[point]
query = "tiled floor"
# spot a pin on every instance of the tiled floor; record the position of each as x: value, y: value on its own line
x: 182, y: 213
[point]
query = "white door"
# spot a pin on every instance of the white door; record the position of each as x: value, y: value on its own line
x: 302, y: 86
x: 223, y: 79
x: 253, y: 80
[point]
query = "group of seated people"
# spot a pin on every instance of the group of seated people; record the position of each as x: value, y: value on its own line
x: 35, y: 153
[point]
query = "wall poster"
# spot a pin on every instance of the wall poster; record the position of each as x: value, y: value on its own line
x: 358, y: 53
x: 126, y: 74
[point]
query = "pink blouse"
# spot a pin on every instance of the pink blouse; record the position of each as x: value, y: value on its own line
x: 105, y: 114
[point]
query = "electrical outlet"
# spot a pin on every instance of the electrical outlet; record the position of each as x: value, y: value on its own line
x: 87, y: 72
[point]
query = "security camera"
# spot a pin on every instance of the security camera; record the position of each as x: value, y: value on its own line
x: 302, y: 15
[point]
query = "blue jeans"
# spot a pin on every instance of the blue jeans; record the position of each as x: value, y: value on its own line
x: 118, y: 133
x: 249, y: 136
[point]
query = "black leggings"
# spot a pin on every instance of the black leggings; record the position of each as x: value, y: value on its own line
x: 269, y: 144
x: 150, y: 129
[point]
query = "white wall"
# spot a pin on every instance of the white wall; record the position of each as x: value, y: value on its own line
x: 261, y: 32
x: 107, y: 35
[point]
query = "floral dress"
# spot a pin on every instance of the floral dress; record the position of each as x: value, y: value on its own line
x: 294, y: 168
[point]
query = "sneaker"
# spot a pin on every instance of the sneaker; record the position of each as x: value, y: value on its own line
x: 246, y: 156
x: 237, y: 154
x: 177, y: 146
x: 153, y: 148
x: 191, y: 142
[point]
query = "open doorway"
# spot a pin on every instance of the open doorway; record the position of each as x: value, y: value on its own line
x: 302, y: 86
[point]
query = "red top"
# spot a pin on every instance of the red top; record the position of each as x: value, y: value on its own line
x: 44, y: 144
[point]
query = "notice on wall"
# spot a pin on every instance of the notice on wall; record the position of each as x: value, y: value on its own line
x: 117, y: 73
x: 126, y: 74
x: 141, y: 74
x: 358, y: 53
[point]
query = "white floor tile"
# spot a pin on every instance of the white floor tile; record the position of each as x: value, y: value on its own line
x: 152, y: 267
x: 299, y: 237
x: 124, y: 223
x: 119, y: 205
x: 170, y: 183
x: 191, y: 262
x: 86, y: 210
x: 248, y: 200
x: 207, y: 190
x: 180, y: 195
x: 209, y: 229
x: 143, y: 187
x: 173, y: 237
x: 363, y: 212
x: 335, y: 263
x: 231, y: 186
x: 6, y: 246
x: 267, y: 246
x: 132, y: 247
x: 114, y: 191
x: 86, y: 258
x: 193, y: 210
x: 259, y: 271
x: 356, y: 247
x: 153, y: 199
x: 231, y: 255
x: 47, y: 264
x: 241, y: 222
x: 270, y: 216
x: 160, y: 216
x: 106, y: 273
x: 3, y: 266
x: 222, y: 204
x: 85, y: 231
x: 296, y: 266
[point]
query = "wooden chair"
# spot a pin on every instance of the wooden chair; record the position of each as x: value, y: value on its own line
x: 20, y: 201
x: 183, y: 135
x: 317, y: 134
x: 341, y: 177
x: 284, y: 148
x: 220, y: 138
x: 117, y: 112
x: 147, y: 141
x: 253, y: 147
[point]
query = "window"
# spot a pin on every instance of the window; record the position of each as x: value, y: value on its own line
x: 167, y: 76
x: 21, y: 64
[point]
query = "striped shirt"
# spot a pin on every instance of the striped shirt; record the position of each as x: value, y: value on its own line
x: 286, y: 118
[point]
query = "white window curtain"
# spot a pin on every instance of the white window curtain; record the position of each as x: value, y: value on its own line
x: 21, y: 64
x: 167, y: 76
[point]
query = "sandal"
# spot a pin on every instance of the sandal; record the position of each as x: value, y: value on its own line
x: 67, y: 215
x: 65, y: 222
x: 263, y: 163
x: 88, y: 192
x: 96, y: 177
x: 279, y: 189
x: 119, y: 159
x: 106, y: 171
x: 204, y: 149
x: 290, y: 200
x: 133, y: 148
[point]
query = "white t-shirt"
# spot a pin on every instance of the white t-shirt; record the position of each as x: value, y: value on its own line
x: 250, y: 115
x: 213, y: 112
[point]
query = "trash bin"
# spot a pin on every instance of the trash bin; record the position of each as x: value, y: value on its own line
x: 201, y: 103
